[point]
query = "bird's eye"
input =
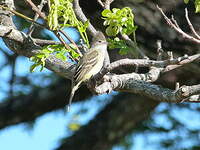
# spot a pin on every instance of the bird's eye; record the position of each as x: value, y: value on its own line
x: 100, y: 41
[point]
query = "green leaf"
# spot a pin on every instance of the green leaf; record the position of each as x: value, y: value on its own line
x: 106, y: 13
x: 43, y: 61
x: 85, y: 25
x: 119, y: 20
x: 33, y: 67
x: 74, y: 54
x: 62, y: 11
x: 47, y: 50
x: 109, y: 31
x: 117, y: 43
x: 112, y: 30
x: 115, y: 10
x: 61, y: 56
x: 197, y: 6
x: 33, y: 58
x: 42, y: 67
x: 40, y: 55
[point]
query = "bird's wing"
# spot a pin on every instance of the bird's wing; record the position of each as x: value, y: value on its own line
x: 87, y: 62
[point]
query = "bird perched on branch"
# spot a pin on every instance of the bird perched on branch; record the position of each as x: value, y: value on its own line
x: 90, y: 64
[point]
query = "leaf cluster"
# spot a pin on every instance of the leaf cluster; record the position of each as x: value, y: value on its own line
x: 57, y: 50
x: 62, y: 11
x: 61, y: 14
x: 119, y: 21
x: 119, y: 44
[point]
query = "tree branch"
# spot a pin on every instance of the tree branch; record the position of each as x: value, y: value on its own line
x: 36, y: 9
x: 172, y: 23
x: 106, y: 4
x: 27, y: 47
x: 79, y: 13
x: 190, y: 25
x: 126, y: 83
x: 40, y: 7
x: 169, y: 64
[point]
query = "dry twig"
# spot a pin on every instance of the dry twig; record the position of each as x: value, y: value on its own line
x: 190, y: 25
x: 105, y: 4
x: 32, y: 27
x: 172, y: 23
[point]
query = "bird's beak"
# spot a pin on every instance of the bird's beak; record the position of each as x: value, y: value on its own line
x: 105, y: 42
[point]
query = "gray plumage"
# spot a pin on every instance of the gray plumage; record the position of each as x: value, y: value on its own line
x: 90, y: 64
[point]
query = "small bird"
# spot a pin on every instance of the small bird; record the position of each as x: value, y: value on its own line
x: 90, y: 63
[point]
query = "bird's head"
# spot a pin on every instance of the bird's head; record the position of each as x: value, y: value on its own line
x: 99, y: 39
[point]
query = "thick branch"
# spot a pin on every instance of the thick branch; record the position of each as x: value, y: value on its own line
x: 27, y: 47
x: 167, y: 65
x: 128, y: 83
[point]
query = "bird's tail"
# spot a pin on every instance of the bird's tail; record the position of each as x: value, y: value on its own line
x: 74, y: 88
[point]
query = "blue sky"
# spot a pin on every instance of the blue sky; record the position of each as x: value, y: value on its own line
x: 44, y: 135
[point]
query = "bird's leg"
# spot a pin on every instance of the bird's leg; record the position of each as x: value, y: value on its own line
x: 92, y: 83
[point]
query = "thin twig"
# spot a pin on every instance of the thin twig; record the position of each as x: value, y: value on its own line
x: 190, y: 24
x: 23, y: 16
x: 43, y: 42
x: 101, y: 3
x: 172, y: 23
x: 36, y: 9
x: 177, y: 86
x: 32, y: 27
x: 175, y: 22
x: 106, y: 4
x: 13, y: 75
x: 188, y: 60
x: 72, y: 41
x: 159, y: 50
x: 64, y: 43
